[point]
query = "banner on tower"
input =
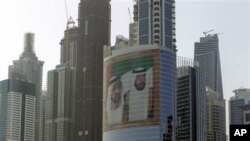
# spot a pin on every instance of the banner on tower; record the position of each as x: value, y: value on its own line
x: 131, y: 90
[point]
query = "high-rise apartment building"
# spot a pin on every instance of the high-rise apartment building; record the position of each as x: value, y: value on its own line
x: 241, y: 98
x: 191, y: 102
x: 69, y: 45
x: 58, y: 104
x: 29, y: 68
x: 139, y: 100
x: 94, y: 32
x: 17, y: 110
x: 216, y: 124
x: 207, y: 53
x: 60, y: 90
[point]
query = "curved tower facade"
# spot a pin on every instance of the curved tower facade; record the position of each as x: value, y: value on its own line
x: 139, y: 94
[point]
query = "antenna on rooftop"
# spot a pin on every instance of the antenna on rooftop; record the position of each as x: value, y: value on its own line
x: 66, y: 9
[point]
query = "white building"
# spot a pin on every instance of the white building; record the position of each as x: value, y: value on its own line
x: 17, y: 110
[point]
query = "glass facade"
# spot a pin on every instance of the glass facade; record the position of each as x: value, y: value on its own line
x: 139, y: 95
x: 207, y: 53
x: 235, y: 111
x: 156, y: 24
x: 247, y: 116
x: 191, y: 110
x: 144, y: 20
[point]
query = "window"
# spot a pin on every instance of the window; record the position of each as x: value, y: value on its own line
x: 247, y: 117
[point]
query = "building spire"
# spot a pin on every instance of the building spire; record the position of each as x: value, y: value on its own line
x: 29, y: 42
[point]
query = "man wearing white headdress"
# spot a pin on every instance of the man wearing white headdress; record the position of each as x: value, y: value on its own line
x: 139, y: 98
x: 115, y: 101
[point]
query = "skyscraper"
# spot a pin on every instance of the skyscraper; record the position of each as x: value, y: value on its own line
x: 29, y: 68
x: 61, y: 88
x: 216, y: 124
x: 69, y: 45
x: 17, y: 110
x: 94, y: 32
x: 207, y: 53
x: 140, y: 82
x: 58, y: 105
x: 139, y: 94
x: 241, y: 98
x: 191, y: 102
x: 156, y: 21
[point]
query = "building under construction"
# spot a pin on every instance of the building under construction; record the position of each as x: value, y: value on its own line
x: 94, y: 32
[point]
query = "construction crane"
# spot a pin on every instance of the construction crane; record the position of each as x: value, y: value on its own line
x: 66, y: 9
x: 205, y: 33
x: 129, y: 15
x: 70, y: 21
x: 218, y: 33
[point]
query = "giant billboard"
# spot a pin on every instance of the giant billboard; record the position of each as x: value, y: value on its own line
x: 131, y: 90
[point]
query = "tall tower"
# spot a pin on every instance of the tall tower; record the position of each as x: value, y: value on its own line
x: 29, y: 68
x: 207, y: 54
x: 94, y: 33
x: 58, y: 105
x: 191, y: 101
x: 69, y: 45
x: 156, y: 20
x: 61, y: 88
x: 216, y: 125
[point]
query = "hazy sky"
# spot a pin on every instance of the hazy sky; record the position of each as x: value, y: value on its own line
x: 47, y: 19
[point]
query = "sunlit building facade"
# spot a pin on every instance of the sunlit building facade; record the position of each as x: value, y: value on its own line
x: 216, y: 124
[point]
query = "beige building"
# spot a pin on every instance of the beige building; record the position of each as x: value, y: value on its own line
x: 216, y: 124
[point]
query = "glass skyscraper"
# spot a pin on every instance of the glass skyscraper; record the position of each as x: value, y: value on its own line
x: 191, y: 102
x: 156, y: 21
x: 207, y: 53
